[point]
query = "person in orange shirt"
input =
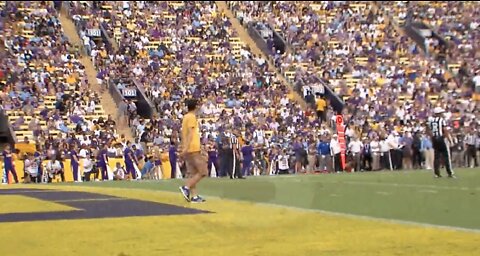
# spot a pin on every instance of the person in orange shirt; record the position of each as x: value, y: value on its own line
x: 321, y: 105
x: 195, y: 162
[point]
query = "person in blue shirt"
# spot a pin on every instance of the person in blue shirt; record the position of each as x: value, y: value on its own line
x: 129, y: 160
x: 247, y: 154
x: 222, y: 147
x: 298, y: 149
x: 172, y: 155
x: 102, y: 160
x: 147, y: 167
x: 8, y: 165
x: 74, y: 162
x: 212, y: 158
x: 426, y: 147
x: 323, y: 150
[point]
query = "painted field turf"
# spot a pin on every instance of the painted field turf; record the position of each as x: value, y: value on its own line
x: 22, y: 204
x: 407, y: 195
x: 249, y: 227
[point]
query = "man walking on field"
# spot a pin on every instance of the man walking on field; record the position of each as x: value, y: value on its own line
x: 195, y: 162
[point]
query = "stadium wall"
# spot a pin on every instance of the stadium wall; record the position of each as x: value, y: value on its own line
x: 145, y: 107
x: 19, y: 166
x: 7, y: 135
x: 278, y: 41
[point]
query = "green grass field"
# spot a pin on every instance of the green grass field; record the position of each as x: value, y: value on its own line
x: 383, y: 213
x: 407, y: 195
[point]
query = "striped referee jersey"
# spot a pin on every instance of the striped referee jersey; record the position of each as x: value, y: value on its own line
x: 436, y: 125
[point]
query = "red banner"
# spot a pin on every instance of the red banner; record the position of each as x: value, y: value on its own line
x: 341, y: 140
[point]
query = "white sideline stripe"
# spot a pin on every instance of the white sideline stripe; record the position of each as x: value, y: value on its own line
x: 334, y: 195
x: 370, y: 218
x: 407, y: 185
x: 389, y: 184
x: 428, y: 191
x: 383, y: 193
x: 348, y: 215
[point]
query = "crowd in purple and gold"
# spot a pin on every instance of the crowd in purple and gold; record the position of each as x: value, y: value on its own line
x: 178, y: 50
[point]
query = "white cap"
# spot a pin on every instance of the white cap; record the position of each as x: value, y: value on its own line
x: 438, y: 110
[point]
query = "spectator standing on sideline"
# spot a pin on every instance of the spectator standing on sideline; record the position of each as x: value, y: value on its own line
x: 323, y: 149
x: 427, y: 149
x: 471, y: 153
x: 355, y: 148
x: 172, y: 155
x: 247, y: 159
x: 335, y: 153
x: 366, y: 155
x: 8, y: 165
x: 376, y: 153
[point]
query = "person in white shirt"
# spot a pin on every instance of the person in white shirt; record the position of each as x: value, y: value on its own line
x: 385, y: 159
x: 84, y: 152
x: 375, y: 147
x: 355, y: 148
x: 32, y: 167
x: 259, y: 136
x: 119, y: 173
x: 53, y: 168
x: 283, y: 160
x: 89, y: 168
x: 335, y: 151
x: 393, y: 141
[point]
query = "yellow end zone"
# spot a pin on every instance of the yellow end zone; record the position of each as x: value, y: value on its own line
x: 19, y: 204
x: 236, y: 228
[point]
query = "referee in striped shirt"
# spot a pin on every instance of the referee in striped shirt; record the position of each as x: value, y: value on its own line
x: 235, y: 146
x: 437, y: 129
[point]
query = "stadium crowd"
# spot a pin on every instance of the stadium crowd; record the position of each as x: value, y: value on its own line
x: 46, y: 94
x: 457, y: 24
x: 389, y: 86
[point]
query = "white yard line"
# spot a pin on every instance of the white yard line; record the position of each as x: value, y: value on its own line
x: 348, y: 215
x: 363, y: 217
x: 388, y: 184
x: 406, y: 185
x: 428, y: 191
x: 383, y: 193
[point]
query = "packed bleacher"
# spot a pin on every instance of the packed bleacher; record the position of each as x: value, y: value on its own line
x: 455, y: 22
x: 361, y: 55
x: 46, y: 96
x: 47, y: 91
x: 196, y: 54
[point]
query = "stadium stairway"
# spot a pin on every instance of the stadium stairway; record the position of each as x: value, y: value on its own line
x: 389, y: 19
x: 107, y: 102
x: 245, y: 37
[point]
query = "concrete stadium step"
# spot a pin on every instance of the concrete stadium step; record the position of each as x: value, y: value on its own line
x: 245, y: 37
x: 109, y: 106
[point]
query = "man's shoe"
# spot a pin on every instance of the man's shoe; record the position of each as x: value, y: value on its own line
x: 185, y: 192
x: 198, y: 199
x: 452, y: 176
x: 438, y: 176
